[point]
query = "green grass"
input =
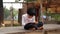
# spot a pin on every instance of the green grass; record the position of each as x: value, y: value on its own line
x: 56, y: 16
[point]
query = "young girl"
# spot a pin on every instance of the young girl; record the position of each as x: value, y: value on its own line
x: 28, y: 17
x: 28, y: 20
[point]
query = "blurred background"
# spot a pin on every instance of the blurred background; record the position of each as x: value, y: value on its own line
x: 13, y: 10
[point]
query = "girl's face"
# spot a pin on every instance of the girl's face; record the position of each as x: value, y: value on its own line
x: 30, y: 16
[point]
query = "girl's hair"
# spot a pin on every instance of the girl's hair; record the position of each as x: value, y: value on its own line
x: 31, y: 12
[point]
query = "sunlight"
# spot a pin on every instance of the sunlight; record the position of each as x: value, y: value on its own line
x: 17, y: 5
x: 12, y: 0
x: 8, y: 0
x: 14, y: 5
x: 7, y: 5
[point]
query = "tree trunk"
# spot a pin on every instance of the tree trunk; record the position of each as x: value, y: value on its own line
x: 1, y: 12
x: 20, y: 17
x: 11, y: 16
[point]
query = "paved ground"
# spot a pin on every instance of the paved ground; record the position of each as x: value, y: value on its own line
x: 4, y: 30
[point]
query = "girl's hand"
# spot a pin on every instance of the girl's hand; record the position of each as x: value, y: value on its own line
x: 36, y: 22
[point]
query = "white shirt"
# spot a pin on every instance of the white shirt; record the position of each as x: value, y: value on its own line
x: 26, y: 20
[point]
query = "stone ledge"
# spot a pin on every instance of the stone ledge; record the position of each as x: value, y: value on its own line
x: 28, y: 32
x: 20, y: 29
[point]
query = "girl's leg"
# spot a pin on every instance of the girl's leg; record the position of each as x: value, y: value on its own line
x: 29, y: 26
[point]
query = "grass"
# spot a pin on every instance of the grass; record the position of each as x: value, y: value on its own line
x: 55, y: 16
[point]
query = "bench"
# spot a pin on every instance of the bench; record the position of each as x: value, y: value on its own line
x: 20, y: 29
x: 47, y: 27
x: 51, y: 27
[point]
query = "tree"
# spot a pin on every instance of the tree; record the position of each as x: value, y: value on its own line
x: 6, y: 13
x: 1, y: 12
x: 15, y: 12
x: 20, y: 17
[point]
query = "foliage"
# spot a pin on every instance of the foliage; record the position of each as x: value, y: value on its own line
x: 6, y: 12
x: 56, y: 16
x: 15, y: 12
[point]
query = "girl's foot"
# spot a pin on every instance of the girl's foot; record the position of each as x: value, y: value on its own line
x: 40, y: 28
x: 32, y: 29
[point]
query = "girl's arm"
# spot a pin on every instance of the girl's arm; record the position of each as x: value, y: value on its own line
x: 34, y: 20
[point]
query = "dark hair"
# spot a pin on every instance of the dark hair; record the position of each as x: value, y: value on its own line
x: 31, y: 12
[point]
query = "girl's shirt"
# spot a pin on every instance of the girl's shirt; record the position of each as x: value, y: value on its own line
x: 26, y: 20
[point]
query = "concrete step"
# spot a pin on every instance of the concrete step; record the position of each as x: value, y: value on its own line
x: 27, y: 33
x: 20, y: 29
